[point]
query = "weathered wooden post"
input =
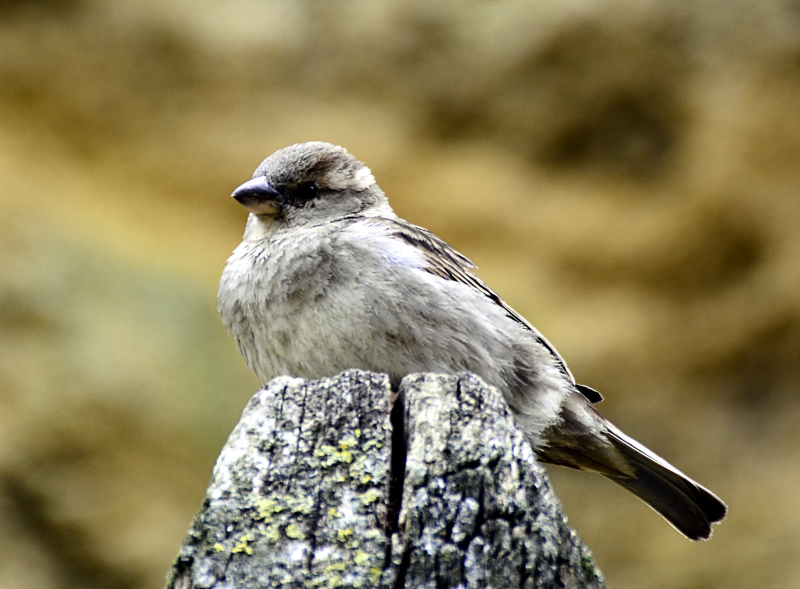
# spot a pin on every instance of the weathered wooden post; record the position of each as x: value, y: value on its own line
x: 325, y: 484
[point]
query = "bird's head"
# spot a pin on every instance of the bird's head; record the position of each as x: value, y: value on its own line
x: 308, y: 184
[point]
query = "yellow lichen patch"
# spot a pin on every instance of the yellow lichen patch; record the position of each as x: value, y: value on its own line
x: 361, y: 557
x: 333, y: 456
x: 273, y: 504
x: 267, y: 507
x: 369, y: 497
x: 303, y: 504
x: 372, y: 444
x: 324, y: 450
x: 294, y: 532
x: 347, y: 443
x: 363, y: 471
x: 344, y: 535
x: 218, y: 547
x: 272, y: 533
x: 330, y: 578
x: 373, y: 534
x: 242, y: 544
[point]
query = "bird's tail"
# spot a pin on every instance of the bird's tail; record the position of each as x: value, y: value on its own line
x: 587, y: 441
x: 687, y: 505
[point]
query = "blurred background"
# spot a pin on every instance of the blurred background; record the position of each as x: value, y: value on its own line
x: 625, y: 173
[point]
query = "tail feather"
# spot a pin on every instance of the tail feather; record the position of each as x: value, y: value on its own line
x: 687, y: 505
x: 583, y: 439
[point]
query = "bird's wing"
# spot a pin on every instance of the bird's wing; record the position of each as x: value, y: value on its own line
x: 445, y: 262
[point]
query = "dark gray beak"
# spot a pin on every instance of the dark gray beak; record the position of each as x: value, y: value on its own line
x: 259, y: 197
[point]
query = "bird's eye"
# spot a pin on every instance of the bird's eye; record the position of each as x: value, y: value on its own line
x: 306, y: 191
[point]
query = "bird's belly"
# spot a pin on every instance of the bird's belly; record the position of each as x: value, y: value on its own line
x: 296, y: 344
x: 323, y: 339
x: 308, y: 340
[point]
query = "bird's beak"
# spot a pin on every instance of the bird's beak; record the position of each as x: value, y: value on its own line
x: 259, y: 197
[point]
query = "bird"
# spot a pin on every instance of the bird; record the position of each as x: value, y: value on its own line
x: 327, y: 277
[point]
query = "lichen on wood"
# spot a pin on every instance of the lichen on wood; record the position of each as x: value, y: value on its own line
x: 324, y: 484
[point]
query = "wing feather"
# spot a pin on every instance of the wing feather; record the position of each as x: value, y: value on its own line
x: 445, y: 262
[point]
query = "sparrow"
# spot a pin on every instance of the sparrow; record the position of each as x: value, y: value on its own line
x: 328, y: 277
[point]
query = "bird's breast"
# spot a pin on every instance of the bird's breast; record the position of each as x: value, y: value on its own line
x: 290, y: 310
